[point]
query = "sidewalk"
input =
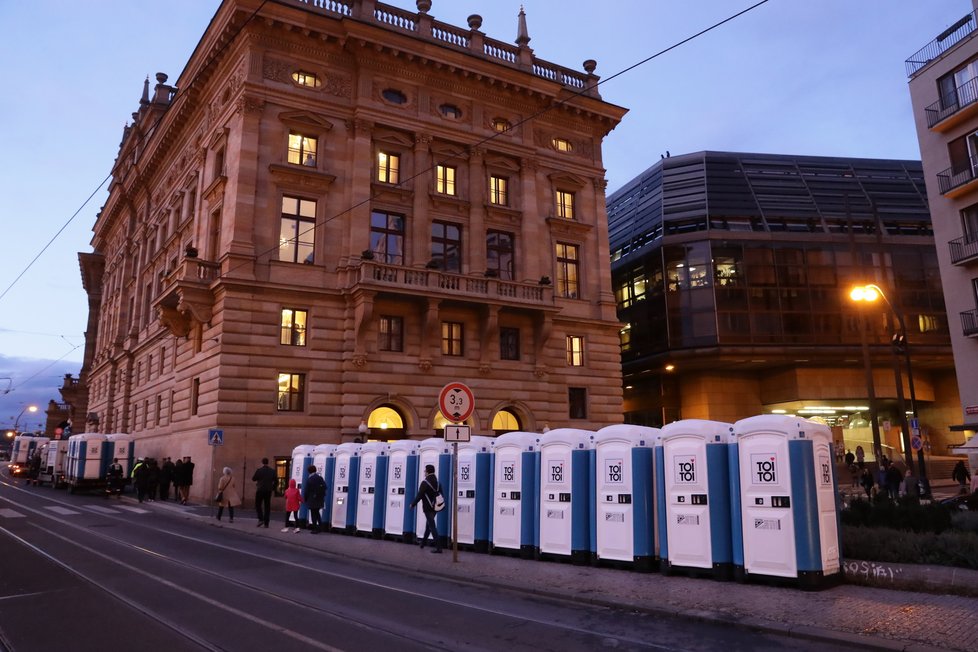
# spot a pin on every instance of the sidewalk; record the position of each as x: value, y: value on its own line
x: 862, y: 616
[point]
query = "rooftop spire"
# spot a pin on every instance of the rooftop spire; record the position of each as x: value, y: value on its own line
x: 145, y: 98
x: 522, y: 36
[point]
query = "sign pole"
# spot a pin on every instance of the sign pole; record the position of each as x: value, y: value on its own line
x: 455, y: 502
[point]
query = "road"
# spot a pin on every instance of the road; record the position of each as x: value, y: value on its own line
x: 85, y: 572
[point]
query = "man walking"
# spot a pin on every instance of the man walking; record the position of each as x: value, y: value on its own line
x: 427, y: 490
x: 314, y: 496
x: 188, y: 479
x: 264, y: 479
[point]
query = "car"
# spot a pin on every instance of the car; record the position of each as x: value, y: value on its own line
x: 17, y: 470
x: 966, y: 502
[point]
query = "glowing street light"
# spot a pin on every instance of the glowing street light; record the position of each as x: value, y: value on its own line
x: 29, y: 408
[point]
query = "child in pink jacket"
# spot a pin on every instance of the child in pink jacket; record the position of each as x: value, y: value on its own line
x: 293, y: 498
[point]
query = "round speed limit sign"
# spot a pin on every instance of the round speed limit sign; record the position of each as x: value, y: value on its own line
x: 456, y: 402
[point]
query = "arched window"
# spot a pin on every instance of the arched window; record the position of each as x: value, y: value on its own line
x: 505, y: 421
x: 386, y: 423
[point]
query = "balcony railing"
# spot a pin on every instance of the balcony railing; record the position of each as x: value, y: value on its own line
x: 963, y: 97
x: 963, y: 248
x: 969, y: 323
x: 428, y: 281
x: 950, y: 179
x: 944, y: 42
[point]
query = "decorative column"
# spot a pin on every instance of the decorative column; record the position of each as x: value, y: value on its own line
x: 420, y: 237
x: 476, y: 242
x: 535, y: 234
x: 361, y: 171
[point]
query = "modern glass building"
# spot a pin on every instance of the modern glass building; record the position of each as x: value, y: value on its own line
x: 732, y: 274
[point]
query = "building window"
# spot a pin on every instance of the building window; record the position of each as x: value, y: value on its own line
x: 451, y: 338
x: 291, y: 389
x: 577, y: 402
x: 499, y: 255
x: 625, y: 337
x: 194, y: 396
x: 509, y: 343
x: 969, y: 223
x: 293, y: 327
x: 446, y: 246
x: 565, y: 204
x: 562, y: 145
x: 568, y: 256
x: 387, y: 237
x: 394, y: 96
x: 450, y: 111
x: 575, y: 351
x: 499, y: 190
x: 305, y: 79
x: 297, y: 235
x: 445, y: 179
x: 501, y: 124
x: 302, y: 149
x: 391, y: 333
x: 388, y: 167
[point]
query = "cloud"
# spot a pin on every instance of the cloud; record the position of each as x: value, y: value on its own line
x: 30, y: 381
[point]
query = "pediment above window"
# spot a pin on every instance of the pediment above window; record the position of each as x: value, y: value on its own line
x: 298, y: 176
x: 390, y: 137
x: 305, y: 120
x: 566, y: 179
x: 501, y: 163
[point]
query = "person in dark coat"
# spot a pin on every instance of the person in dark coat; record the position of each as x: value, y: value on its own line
x: 893, y: 481
x: 152, y: 479
x: 866, y: 481
x: 140, y: 478
x: 178, y: 480
x: 188, y: 480
x: 427, y: 490
x: 166, y: 478
x: 960, y: 475
x: 314, y: 496
x: 264, y: 479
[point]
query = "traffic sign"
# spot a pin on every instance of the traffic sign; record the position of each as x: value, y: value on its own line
x: 914, y: 423
x: 215, y: 437
x: 916, y: 443
x: 456, y: 402
x: 457, y: 433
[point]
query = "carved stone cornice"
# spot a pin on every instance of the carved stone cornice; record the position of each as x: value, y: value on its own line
x: 385, y: 192
x: 250, y: 105
x: 563, y: 226
x: 600, y: 184
x: 447, y: 203
x: 215, y: 189
x: 301, y: 176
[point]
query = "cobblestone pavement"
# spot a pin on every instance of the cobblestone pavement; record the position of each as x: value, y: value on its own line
x: 865, y: 617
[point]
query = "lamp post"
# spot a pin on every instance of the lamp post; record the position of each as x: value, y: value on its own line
x: 870, y: 293
x: 28, y: 408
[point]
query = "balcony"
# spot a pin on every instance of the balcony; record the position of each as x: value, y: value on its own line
x: 186, y: 295
x: 969, y: 323
x: 944, y: 42
x: 963, y: 249
x: 429, y: 282
x: 954, y: 182
x: 954, y: 108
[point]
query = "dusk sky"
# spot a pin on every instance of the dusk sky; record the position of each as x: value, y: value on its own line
x: 804, y: 77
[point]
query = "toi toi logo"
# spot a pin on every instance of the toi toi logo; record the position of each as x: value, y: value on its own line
x: 765, y: 469
x: 685, y: 469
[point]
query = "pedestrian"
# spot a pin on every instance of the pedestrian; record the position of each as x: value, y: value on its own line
x: 860, y: 457
x: 139, y: 478
x: 893, y: 481
x: 116, y: 478
x: 227, y: 494
x: 33, y: 468
x: 264, y: 479
x: 166, y: 478
x: 960, y: 475
x: 854, y: 473
x: 178, y: 480
x: 314, y: 496
x: 866, y: 481
x: 152, y: 479
x: 911, y: 489
x: 427, y: 490
x: 188, y: 480
x: 849, y: 458
x: 293, y: 500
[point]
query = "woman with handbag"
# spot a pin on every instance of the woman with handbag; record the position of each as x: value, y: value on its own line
x: 227, y: 495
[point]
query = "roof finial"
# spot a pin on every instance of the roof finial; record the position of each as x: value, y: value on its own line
x: 522, y: 36
x: 145, y: 98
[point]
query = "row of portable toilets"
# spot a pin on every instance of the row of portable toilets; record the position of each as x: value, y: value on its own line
x: 82, y: 461
x: 753, y: 499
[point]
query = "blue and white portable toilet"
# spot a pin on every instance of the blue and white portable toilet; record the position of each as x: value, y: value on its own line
x: 474, y: 492
x: 785, y: 500
x: 84, y: 460
x: 322, y: 459
x: 302, y: 457
x: 402, y: 482
x: 437, y: 452
x: 374, y: 458
x: 516, y: 485
x: 346, y: 469
x: 565, y: 494
x: 624, y: 495
x: 119, y: 446
x: 694, y: 498
x: 25, y: 446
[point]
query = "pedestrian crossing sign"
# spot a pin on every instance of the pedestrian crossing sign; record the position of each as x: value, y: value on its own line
x: 215, y: 437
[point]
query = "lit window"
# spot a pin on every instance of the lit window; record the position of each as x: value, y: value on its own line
x: 562, y: 145
x: 565, y: 204
x: 293, y: 331
x: 568, y: 257
x: 450, y: 111
x: 451, y: 338
x: 445, y: 179
x: 305, y: 79
x: 499, y: 190
x: 291, y: 389
x: 501, y: 124
x: 391, y: 333
x: 928, y: 323
x: 297, y: 233
x: 302, y: 149
x: 625, y: 337
x: 575, y: 351
x: 388, y: 167
x: 394, y: 96
x: 505, y: 421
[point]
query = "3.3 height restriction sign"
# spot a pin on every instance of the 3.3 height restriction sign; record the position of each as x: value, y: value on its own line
x: 456, y: 402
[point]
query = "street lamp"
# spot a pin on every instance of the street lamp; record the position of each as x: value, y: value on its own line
x: 29, y: 408
x: 869, y: 293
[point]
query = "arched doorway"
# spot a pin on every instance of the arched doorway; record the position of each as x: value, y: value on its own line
x: 385, y: 423
x: 505, y: 421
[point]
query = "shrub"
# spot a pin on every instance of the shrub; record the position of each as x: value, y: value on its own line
x: 905, y: 515
x: 951, y: 548
x: 965, y: 521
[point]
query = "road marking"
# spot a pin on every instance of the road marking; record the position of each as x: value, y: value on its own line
x: 10, y: 513
x: 134, y: 510
x: 101, y: 510
x: 64, y: 511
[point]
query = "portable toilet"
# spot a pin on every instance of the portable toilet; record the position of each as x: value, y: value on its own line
x: 474, y: 492
x: 118, y: 446
x: 84, y: 461
x: 322, y: 459
x: 516, y: 484
x: 693, y: 494
x: 374, y: 458
x: 402, y: 483
x: 53, y: 463
x: 565, y: 494
x: 302, y: 457
x: 624, y: 495
x: 437, y: 452
x: 346, y: 468
x: 25, y: 446
x: 785, y: 500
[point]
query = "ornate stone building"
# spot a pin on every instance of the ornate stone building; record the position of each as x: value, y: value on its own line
x: 338, y: 208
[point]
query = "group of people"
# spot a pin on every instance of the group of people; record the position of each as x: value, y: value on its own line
x: 153, y: 480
